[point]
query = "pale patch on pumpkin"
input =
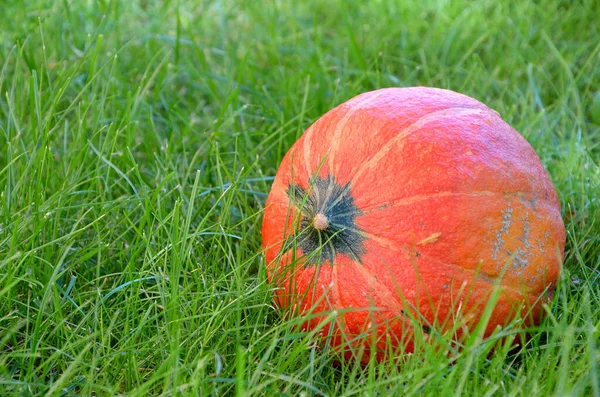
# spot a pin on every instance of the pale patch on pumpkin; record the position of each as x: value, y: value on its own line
x: 518, y: 259
x: 526, y: 231
x: 430, y: 239
x: 506, y: 221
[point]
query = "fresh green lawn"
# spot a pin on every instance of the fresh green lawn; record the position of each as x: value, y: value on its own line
x: 138, y: 142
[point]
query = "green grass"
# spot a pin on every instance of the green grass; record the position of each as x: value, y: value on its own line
x: 138, y: 141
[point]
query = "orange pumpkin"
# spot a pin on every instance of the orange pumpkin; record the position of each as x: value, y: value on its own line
x: 417, y: 199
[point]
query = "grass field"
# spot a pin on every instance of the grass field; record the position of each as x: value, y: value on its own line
x: 138, y: 142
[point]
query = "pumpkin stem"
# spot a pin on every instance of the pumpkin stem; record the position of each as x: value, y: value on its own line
x: 320, y: 222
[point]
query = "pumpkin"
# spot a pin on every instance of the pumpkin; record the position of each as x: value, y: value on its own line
x: 407, y: 207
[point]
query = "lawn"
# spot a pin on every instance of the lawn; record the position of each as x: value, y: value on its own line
x: 138, y: 143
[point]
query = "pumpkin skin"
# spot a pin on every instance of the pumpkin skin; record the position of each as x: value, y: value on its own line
x: 417, y: 199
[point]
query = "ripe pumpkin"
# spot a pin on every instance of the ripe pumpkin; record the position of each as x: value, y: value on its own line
x: 412, y: 203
